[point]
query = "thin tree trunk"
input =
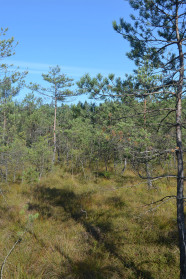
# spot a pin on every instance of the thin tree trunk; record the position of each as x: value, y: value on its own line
x: 83, y: 169
x: 180, y: 196
x: 179, y: 154
x: 147, y: 163
x: 125, y: 165
x: 6, y: 174
x: 55, y: 112
x: 4, y: 126
x: 148, y: 172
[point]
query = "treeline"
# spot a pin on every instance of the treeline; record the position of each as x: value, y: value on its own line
x: 103, y: 137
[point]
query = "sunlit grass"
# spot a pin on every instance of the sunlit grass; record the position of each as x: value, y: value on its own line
x: 91, y: 228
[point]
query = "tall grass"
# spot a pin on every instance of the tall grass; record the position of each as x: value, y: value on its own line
x: 90, y: 228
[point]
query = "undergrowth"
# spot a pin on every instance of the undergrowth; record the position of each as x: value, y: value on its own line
x: 95, y: 228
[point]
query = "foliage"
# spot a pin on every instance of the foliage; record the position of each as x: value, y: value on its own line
x: 59, y: 85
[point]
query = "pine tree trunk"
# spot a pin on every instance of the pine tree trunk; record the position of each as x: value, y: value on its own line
x: 179, y: 154
x: 180, y: 197
x: 4, y: 126
x: 55, y: 112
x: 125, y: 165
x: 148, y: 172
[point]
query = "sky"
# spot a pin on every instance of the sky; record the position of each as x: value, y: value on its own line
x: 77, y: 35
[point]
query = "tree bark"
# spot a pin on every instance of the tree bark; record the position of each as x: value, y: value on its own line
x: 125, y: 165
x: 179, y: 154
x: 148, y: 172
x: 4, y: 126
x: 55, y: 113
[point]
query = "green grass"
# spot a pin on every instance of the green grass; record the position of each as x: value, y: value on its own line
x: 96, y: 228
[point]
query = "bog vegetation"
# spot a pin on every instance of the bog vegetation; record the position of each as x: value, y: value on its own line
x: 97, y: 191
x: 94, y: 219
x: 97, y: 227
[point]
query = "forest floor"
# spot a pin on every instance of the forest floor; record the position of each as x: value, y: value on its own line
x: 95, y: 228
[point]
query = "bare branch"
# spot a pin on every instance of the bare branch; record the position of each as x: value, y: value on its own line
x: 165, y: 118
x: 167, y: 197
x: 9, y: 253
x: 157, y: 177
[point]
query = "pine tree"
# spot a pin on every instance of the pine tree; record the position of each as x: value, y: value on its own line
x: 158, y: 33
x: 58, y: 91
x: 10, y: 86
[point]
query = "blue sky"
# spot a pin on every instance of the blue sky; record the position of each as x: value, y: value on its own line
x: 77, y: 35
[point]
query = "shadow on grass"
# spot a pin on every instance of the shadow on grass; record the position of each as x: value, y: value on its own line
x: 90, y: 268
x: 166, y: 235
x: 71, y: 204
x: 171, y: 238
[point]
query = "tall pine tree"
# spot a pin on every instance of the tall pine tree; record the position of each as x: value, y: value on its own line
x: 58, y: 91
x: 158, y: 33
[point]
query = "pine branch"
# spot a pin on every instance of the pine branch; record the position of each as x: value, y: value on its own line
x: 165, y: 118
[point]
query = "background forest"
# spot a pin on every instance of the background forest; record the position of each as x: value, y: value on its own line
x: 102, y: 138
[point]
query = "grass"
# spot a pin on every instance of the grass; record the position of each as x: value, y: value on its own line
x: 97, y: 228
